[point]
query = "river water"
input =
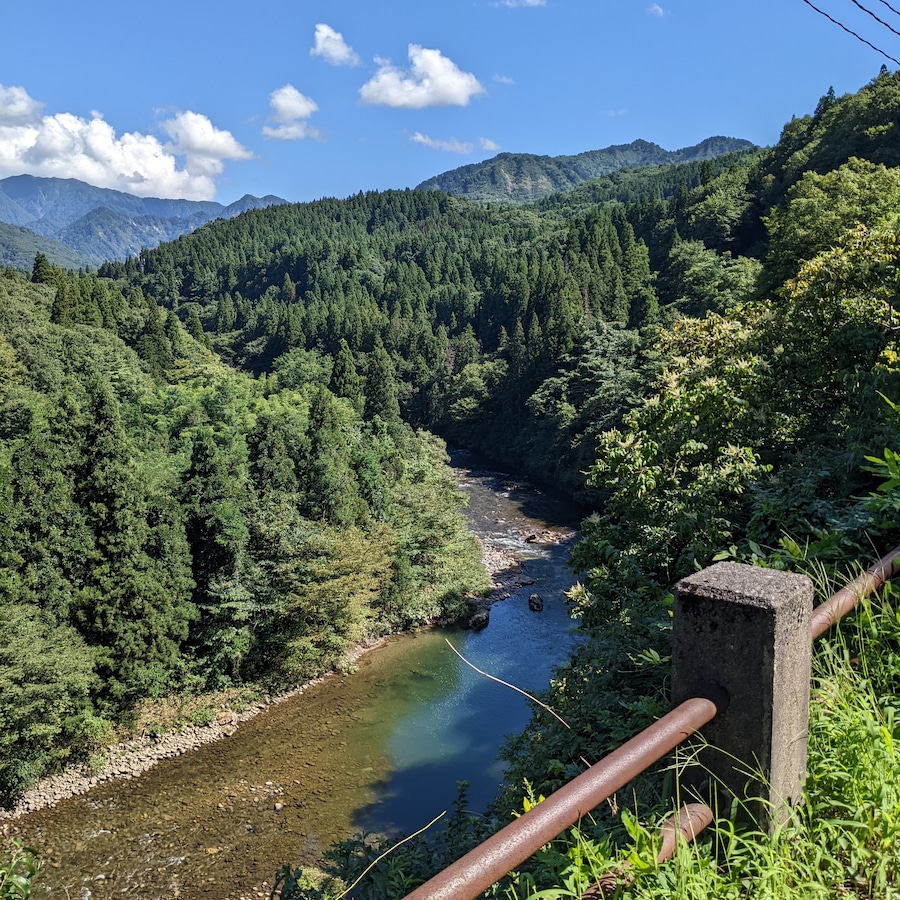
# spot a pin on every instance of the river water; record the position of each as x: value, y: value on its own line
x: 380, y: 750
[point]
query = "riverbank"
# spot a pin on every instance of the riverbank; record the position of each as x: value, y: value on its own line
x: 128, y: 759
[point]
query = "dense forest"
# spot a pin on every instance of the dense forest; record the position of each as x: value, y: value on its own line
x: 217, y: 460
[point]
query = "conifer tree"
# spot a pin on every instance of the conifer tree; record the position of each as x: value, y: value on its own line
x: 381, y: 387
x: 344, y: 380
x: 134, y: 604
x: 42, y: 271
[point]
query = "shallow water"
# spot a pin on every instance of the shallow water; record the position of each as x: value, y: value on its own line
x: 380, y: 750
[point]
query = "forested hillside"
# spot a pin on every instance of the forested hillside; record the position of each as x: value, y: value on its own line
x: 524, y: 333
x: 168, y: 524
x: 526, y: 178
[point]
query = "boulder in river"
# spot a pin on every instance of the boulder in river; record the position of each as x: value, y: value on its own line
x: 535, y: 602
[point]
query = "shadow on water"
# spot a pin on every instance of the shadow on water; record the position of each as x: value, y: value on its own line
x: 456, y: 736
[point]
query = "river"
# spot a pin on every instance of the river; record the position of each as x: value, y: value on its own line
x: 380, y: 750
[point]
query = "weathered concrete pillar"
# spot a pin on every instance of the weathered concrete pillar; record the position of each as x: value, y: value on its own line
x: 747, y: 630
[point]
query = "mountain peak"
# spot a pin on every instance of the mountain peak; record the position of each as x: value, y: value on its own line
x: 515, y: 178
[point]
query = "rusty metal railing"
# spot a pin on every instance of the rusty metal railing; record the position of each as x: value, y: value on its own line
x: 839, y: 604
x: 487, y: 863
x: 491, y: 860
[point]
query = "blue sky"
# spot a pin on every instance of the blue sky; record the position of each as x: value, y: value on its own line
x: 313, y: 98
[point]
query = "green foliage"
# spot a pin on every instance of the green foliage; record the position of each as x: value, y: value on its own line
x: 19, y: 866
x: 46, y: 680
x: 822, y: 208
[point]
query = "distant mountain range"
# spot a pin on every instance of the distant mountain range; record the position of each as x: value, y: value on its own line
x: 515, y: 178
x: 95, y: 224
x: 75, y: 224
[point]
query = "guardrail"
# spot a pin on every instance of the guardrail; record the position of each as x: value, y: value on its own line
x: 742, y: 649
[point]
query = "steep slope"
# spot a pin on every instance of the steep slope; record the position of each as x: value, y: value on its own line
x: 18, y: 247
x: 102, y: 234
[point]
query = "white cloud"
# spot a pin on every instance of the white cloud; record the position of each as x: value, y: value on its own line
x: 514, y: 3
x: 504, y: 79
x: 450, y: 146
x: 69, y: 146
x: 17, y: 108
x: 432, y: 80
x: 290, y: 109
x: 204, y: 146
x: 656, y: 10
x: 488, y: 144
x: 332, y: 47
x: 288, y: 104
x: 293, y: 131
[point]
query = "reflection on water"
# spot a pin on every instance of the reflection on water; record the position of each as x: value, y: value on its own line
x: 379, y: 750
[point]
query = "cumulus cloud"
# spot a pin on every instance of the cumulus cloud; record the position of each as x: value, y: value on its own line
x: 656, y: 10
x: 17, y: 108
x: 488, y: 144
x: 69, y: 146
x: 290, y: 110
x: 332, y: 47
x: 449, y: 146
x: 204, y: 147
x: 431, y: 80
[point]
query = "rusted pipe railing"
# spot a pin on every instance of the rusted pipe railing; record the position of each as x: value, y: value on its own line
x: 839, y: 604
x: 683, y: 825
x: 823, y: 617
x: 475, y: 872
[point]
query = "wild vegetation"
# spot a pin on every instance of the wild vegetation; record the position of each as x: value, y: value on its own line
x: 209, y: 471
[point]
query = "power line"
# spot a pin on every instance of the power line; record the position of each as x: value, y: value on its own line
x: 891, y: 8
x: 869, y: 12
x: 845, y: 28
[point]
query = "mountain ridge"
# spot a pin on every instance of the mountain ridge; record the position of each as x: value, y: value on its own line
x: 102, y: 224
x: 517, y: 178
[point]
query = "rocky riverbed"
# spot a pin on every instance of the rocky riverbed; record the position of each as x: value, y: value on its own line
x: 128, y: 759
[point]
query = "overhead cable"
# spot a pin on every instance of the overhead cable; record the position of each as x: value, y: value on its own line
x: 891, y: 8
x: 869, y: 12
x: 849, y: 31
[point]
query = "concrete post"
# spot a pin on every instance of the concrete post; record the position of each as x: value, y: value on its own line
x: 747, y: 630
